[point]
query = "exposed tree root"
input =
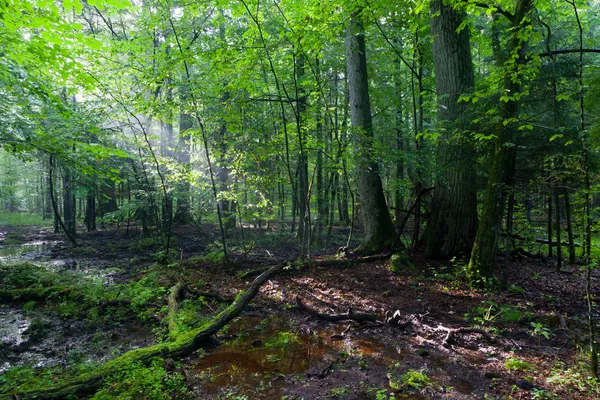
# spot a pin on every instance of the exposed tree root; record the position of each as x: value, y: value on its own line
x: 185, y: 344
x: 395, y: 319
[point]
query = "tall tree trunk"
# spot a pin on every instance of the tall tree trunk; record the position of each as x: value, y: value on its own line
x: 90, y: 210
x: 300, y: 112
x: 500, y: 179
x: 549, y: 230
x: 69, y: 204
x: 558, y: 242
x: 453, y: 222
x: 377, y: 223
x: 320, y: 195
x: 569, y: 229
x: 48, y: 198
x: 57, y: 219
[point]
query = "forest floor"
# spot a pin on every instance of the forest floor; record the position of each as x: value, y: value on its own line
x: 275, y: 348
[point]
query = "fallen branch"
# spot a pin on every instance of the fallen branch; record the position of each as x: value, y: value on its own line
x: 452, y: 332
x: 185, y: 344
x: 348, y: 315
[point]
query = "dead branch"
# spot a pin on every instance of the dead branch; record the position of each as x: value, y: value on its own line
x: 348, y: 315
x: 452, y: 332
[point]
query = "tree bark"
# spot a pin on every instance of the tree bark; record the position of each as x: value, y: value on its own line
x: 90, y: 210
x: 549, y: 230
x: 569, y: 229
x: 377, y: 223
x: 453, y: 222
x: 558, y: 242
x: 500, y: 179
x: 69, y: 204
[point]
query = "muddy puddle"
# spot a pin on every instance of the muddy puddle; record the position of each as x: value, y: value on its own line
x: 263, y: 357
x: 38, y: 338
x: 24, y: 251
x: 46, y: 255
x: 43, y: 340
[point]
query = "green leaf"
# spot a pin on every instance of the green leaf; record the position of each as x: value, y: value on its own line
x: 558, y: 135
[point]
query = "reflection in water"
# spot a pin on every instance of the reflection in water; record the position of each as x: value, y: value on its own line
x: 264, y: 350
x: 14, y: 250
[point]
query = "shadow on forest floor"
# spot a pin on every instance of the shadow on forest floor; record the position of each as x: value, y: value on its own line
x: 275, y: 349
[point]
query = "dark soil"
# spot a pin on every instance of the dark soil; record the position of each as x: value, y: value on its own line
x: 277, y: 350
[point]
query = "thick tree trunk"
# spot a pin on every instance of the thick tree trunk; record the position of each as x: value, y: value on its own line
x: 57, y: 219
x: 500, y: 179
x: 453, y: 222
x: 69, y: 204
x: 90, y: 210
x: 377, y: 223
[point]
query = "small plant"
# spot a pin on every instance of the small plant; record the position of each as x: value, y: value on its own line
x: 339, y: 392
x: 516, y: 289
x: 540, y: 330
x: 273, y: 358
x: 283, y: 339
x: 411, y: 379
x: 540, y: 394
x: 516, y: 364
x: 400, y: 262
x: 362, y: 363
x: 383, y: 394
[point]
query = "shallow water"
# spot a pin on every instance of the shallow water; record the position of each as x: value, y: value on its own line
x: 24, y: 251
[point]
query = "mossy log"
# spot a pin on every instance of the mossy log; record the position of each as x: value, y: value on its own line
x: 185, y: 344
x: 175, y: 296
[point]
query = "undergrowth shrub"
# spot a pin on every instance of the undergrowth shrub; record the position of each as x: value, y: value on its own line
x: 135, y: 381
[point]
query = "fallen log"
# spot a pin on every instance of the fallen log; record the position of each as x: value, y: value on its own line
x: 348, y: 315
x: 175, y: 295
x: 185, y: 344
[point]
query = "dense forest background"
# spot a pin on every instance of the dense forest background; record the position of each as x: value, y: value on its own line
x: 453, y: 130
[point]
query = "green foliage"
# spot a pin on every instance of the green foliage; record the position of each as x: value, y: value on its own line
x: 25, y: 275
x: 491, y: 312
x: 23, y: 218
x: 135, y: 381
x: 145, y: 244
x: 339, y: 392
x: 400, y: 262
x: 577, y: 376
x: 282, y: 340
x: 142, y: 291
x: 411, y: 379
x: 516, y: 364
x: 383, y: 394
